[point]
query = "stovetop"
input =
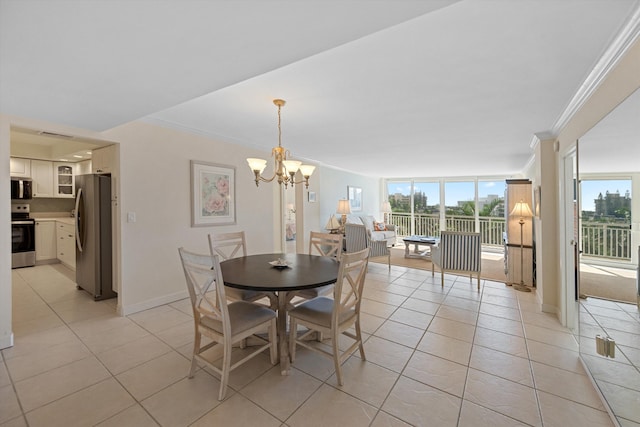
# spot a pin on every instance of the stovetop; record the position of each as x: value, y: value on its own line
x: 20, y: 211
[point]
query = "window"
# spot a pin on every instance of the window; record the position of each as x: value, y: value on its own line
x: 606, y: 217
x: 491, y: 210
x: 425, y: 207
x: 460, y: 205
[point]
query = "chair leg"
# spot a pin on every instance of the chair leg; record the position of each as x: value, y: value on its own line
x: 196, y: 350
x: 442, y: 277
x: 389, y: 259
x: 359, y: 338
x: 226, y: 366
x: 336, y: 355
x: 293, y: 334
x: 273, y: 339
x: 478, y: 281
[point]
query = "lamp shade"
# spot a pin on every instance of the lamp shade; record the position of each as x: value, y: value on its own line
x: 307, y: 170
x: 386, y: 207
x: 522, y: 210
x: 344, y: 208
x: 291, y: 166
x: 257, y: 164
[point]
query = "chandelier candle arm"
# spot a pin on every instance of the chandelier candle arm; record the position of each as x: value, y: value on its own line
x: 285, y: 169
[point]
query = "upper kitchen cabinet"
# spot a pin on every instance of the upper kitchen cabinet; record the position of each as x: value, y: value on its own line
x: 20, y: 167
x: 64, y: 179
x: 52, y: 179
x: 42, y: 175
x: 103, y: 159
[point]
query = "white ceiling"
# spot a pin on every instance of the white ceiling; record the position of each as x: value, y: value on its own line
x: 392, y: 88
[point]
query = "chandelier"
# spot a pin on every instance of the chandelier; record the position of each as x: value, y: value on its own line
x: 285, y: 170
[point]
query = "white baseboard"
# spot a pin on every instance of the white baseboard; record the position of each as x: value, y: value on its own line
x: 6, y: 341
x: 152, y: 303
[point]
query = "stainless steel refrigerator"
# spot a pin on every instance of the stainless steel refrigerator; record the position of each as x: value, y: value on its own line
x: 93, y: 235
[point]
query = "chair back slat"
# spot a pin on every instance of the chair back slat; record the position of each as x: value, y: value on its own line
x: 325, y: 244
x: 203, y: 274
x: 348, y: 289
x: 229, y: 245
x: 356, y: 237
x: 461, y: 251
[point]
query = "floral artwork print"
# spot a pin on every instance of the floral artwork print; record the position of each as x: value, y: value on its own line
x: 215, y: 194
x: 213, y: 199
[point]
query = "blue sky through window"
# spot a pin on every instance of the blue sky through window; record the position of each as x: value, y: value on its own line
x: 592, y: 188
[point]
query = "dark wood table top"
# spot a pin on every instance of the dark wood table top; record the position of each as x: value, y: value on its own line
x: 254, y: 272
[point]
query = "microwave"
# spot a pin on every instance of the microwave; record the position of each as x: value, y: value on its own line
x: 21, y: 188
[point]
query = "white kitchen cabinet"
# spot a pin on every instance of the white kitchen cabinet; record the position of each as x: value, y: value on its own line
x: 64, y: 179
x: 46, y: 240
x: 103, y: 159
x: 83, y: 167
x: 20, y: 167
x: 66, y: 244
x: 42, y: 175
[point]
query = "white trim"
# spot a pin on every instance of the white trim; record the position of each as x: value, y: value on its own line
x: 594, y: 383
x: 6, y: 341
x: 153, y: 303
x: 548, y: 308
x: 613, y: 54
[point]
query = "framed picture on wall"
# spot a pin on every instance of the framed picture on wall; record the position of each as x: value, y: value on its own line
x: 354, y: 195
x: 213, y: 194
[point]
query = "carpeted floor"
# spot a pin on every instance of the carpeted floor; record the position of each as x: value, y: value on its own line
x: 601, y: 282
x: 492, y: 264
x: 609, y: 283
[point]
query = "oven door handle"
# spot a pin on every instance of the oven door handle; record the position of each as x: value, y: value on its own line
x: 22, y: 222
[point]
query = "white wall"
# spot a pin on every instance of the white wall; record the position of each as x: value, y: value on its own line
x: 334, y: 182
x: 155, y: 184
x: 6, y: 335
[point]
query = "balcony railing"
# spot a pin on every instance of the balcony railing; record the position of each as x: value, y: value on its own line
x: 491, y: 228
x: 606, y: 240
x: 602, y: 240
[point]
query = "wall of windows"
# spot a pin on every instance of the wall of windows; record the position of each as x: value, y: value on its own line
x: 425, y: 207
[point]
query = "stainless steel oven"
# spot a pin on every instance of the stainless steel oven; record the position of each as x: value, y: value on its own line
x: 23, y: 237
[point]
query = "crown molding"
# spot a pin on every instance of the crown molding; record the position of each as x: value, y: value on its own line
x: 607, y: 62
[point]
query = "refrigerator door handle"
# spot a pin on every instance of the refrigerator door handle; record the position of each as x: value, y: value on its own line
x: 78, y: 219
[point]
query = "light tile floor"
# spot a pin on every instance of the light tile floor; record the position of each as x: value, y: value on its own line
x: 436, y: 356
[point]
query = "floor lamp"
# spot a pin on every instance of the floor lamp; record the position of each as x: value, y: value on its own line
x: 522, y: 210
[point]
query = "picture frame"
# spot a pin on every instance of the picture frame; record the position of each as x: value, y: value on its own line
x: 213, y: 194
x: 311, y: 196
x: 354, y: 195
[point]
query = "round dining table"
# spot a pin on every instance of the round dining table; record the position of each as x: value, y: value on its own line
x: 302, y: 271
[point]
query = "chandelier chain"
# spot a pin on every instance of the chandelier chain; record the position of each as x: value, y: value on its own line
x: 279, y: 128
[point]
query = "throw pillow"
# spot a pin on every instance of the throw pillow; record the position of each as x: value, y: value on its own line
x: 379, y: 226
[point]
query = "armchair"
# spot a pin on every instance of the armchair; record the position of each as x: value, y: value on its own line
x: 457, y: 252
x: 357, y: 238
x: 388, y: 234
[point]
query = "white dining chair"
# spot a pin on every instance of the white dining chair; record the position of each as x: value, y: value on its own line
x: 221, y: 322
x: 232, y: 245
x: 327, y: 245
x: 335, y: 316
